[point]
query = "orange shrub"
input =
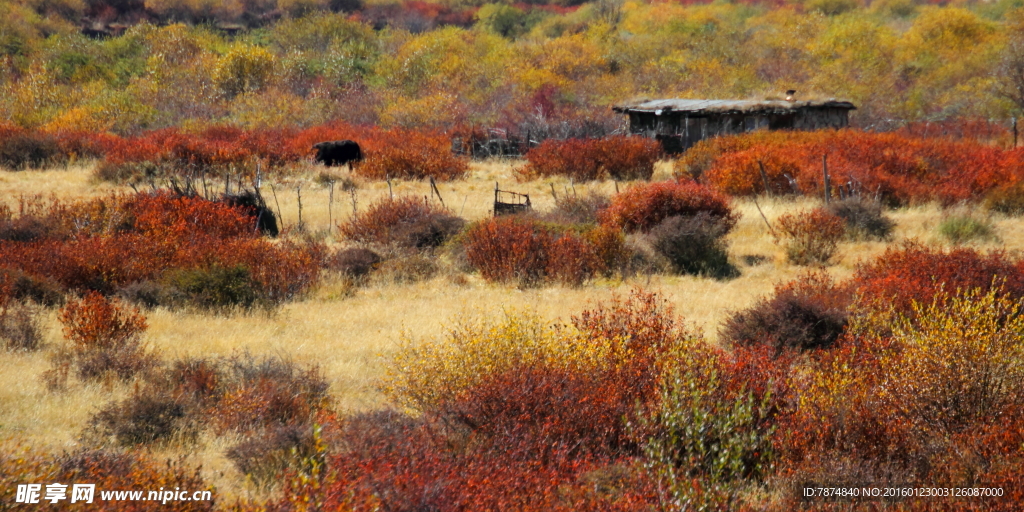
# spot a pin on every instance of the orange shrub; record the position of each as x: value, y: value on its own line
x: 642, y: 207
x: 126, y: 239
x: 411, y: 154
x: 896, y: 167
x: 619, y: 157
x: 105, y: 338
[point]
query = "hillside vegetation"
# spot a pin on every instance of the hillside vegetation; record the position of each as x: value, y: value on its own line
x: 545, y: 67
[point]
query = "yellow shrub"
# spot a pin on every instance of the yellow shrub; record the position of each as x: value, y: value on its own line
x: 244, y: 68
x: 958, y: 364
x: 424, y: 373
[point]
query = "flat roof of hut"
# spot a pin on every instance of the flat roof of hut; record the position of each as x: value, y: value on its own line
x: 679, y: 124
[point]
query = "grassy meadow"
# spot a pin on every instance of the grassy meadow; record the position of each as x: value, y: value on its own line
x: 346, y: 329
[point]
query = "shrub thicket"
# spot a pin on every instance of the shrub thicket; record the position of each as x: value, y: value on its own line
x: 914, y: 273
x: 895, y: 167
x: 617, y: 157
x: 515, y: 249
x: 111, y: 243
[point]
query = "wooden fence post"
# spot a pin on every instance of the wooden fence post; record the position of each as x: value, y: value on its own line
x: 824, y: 171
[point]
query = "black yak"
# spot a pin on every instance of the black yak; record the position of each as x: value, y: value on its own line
x: 253, y: 205
x: 338, y: 152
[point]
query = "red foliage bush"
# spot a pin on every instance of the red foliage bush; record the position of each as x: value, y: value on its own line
x: 393, y: 462
x: 411, y: 154
x: 572, y: 260
x: 120, y: 240
x: 897, y: 167
x: 95, y: 322
x: 914, y: 273
x: 525, y: 251
x: 105, y: 338
x: 396, y: 153
x: 648, y: 329
x: 642, y: 207
x: 618, y: 157
x: 543, y: 411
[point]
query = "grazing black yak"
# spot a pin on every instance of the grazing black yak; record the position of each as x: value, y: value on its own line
x: 338, y: 152
x: 253, y: 205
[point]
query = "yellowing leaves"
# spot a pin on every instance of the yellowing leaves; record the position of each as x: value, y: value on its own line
x: 423, y: 373
x: 244, y: 68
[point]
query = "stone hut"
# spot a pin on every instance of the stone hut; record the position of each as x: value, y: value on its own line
x: 679, y: 124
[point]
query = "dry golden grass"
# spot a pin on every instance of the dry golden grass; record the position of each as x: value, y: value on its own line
x: 344, y: 331
x: 73, y: 183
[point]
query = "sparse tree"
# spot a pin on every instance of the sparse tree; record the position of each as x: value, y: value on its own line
x: 1010, y: 83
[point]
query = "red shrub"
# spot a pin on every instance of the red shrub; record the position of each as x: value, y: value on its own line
x: 610, y: 247
x: 394, y: 462
x: 524, y: 251
x: 572, y: 260
x: 642, y: 207
x: 105, y: 338
x: 168, y: 216
x: 648, y: 329
x: 618, y: 157
x: 543, y: 411
x: 739, y: 173
x: 109, y: 471
x: 95, y: 322
x: 410, y: 154
x: 897, y: 167
x: 115, y: 241
x: 509, y: 249
x: 914, y: 273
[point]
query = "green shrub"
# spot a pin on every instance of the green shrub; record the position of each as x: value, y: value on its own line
x: 701, y: 438
x: 959, y: 229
